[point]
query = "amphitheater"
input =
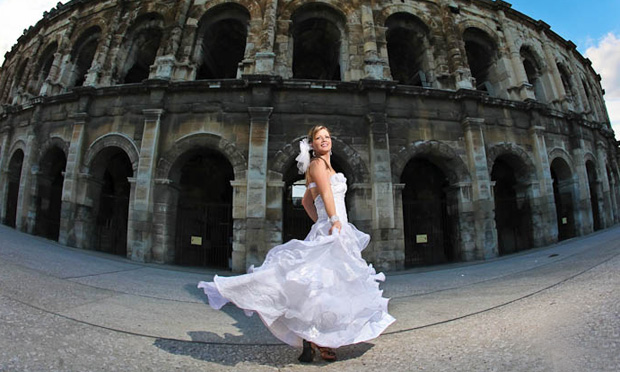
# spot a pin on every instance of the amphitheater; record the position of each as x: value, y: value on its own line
x: 165, y: 131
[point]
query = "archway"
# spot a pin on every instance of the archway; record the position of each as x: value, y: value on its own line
x: 481, y: 52
x: 317, y: 43
x: 224, y: 32
x: 49, y: 198
x: 563, y: 196
x: 13, y: 177
x: 406, y: 39
x: 204, y: 209
x: 427, y: 223
x: 111, y: 170
x: 513, y: 215
x: 594, y: 195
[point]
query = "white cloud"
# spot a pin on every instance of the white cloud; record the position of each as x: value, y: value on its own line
x: 17, y: 15
x: 605, y: 57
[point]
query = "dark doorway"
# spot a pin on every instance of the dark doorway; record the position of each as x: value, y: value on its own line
x: 204, y: 214
x: 49, y: 198
x: 593, y: 184
x: 14, y: 177
x: 425, y: 215
x: 563, y: 196
x: 113, y: 206
x: 512, y: 210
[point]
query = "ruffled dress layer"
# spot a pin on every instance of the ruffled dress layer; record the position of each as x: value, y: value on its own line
x: 319, y: 289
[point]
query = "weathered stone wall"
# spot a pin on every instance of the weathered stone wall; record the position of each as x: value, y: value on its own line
x: 522, y: 117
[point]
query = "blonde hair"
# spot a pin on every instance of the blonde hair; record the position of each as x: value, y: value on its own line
x: 311, y: 135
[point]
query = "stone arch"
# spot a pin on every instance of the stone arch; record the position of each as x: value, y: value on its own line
x: 19, y: 144
x: 407, y: 41
x: 287, y: 11
x: 356, y: 168
x: 141, y: 46
x: 443, y: 156
x: 318, y: 42
x: 482, y: 52
x: 251, y: 6
x: 43, y: 67
x: 559, y: 153
x: 221, y: 41
x: 199, y: 140
x: 112, y: 140
x: 517, y: 157
x: 391, y: 9
x: 54, y: 141
x: 83, y: 54
x: 470, y: 23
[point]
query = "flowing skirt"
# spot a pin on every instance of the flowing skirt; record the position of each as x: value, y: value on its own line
x: 319, y: 289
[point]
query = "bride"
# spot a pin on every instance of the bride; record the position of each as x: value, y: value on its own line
x: 318, y: 293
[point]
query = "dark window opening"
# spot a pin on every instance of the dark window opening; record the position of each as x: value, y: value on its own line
x: 316, y: 52
x: 223, y: 48
x: 142, y: 56
x: 481, y: 52
x: 405, y: 45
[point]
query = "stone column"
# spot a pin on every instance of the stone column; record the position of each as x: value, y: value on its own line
x: 29, y: 171
x: 544, y: 217
x: 520, y: 88
x: 239, y: 215
x: 373, y: 66
x: 462, y: 217
x: 4, y: 161
x: 457, y: 58
x: 139, y: 231
x: 383, y: 224
x: 482, y: 198
x: 264, y: 61
x: 399, y: 227
x: 607, y: 215
x: 584, y: 224
x: 69, y: 208
x: 256, y: 210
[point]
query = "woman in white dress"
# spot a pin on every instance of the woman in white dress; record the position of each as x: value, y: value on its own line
x: 316, y: 293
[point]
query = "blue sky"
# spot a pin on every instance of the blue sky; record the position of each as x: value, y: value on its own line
x: 582, y: 22
x: 594, y: 26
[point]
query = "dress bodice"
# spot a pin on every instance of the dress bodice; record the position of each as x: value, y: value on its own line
x: 339, y: 189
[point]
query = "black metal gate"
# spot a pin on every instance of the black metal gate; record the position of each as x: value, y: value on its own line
x: 204, y: 235
x: 296, y: 224
x: 427, y: 233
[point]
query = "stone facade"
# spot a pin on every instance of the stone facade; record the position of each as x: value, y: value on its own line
x: 166, y: 131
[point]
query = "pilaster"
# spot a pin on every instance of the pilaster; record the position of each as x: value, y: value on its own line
x: 482, y: 198
x: 542, y: 198
x: 68, y: 212
x: 139, y: 232
x: 256, y: 209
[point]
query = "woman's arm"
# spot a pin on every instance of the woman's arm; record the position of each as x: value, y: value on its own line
x: 320, y: 175
x: 308, y: 204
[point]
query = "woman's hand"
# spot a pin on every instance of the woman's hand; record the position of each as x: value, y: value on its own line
x: 337, y: 226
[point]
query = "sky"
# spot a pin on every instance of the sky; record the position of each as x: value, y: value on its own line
x: 594, y: 26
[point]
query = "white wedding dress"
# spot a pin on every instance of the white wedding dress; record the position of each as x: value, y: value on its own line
x: 319, y: 289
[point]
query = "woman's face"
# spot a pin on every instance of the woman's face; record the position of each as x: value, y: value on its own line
x: 322, y: 142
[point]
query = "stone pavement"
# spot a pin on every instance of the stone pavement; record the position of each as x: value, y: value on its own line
x: 551, y: 309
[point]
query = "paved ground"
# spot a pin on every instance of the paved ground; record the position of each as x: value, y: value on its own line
x: 551, y: 309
